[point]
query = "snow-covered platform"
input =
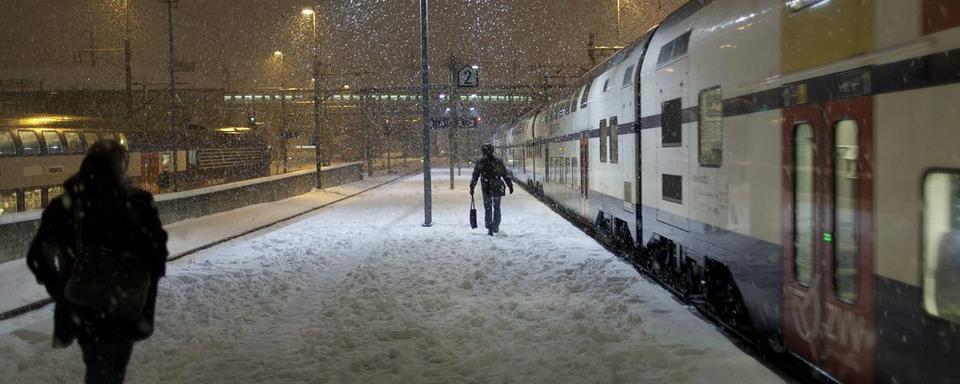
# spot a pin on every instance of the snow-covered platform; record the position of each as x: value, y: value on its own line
x: 359, y: 291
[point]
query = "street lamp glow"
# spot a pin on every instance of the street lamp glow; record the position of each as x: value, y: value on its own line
x: 346, y: 86
x: 277, y: 54
x: 475, y: 66
x: 307, y: 12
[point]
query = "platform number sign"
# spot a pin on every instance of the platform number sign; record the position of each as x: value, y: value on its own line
x: 467, y: 77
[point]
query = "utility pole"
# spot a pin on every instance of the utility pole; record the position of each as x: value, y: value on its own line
x: 173, y: 91
x: 425, y: 110
x: 126, y: 58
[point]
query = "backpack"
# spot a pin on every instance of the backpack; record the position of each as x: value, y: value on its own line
x: 109, y: 281
x: 492, y: 173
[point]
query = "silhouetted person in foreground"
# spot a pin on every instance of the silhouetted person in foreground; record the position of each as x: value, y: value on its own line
x: 492, y: 174
x: 100, y: 252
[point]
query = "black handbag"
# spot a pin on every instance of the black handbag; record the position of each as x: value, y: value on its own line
x: 473, y: 213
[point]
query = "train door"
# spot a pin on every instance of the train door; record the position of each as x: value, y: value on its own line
x: 828, y: 289
x: 150, y: 171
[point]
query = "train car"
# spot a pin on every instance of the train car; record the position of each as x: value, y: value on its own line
x: 792, y: 165
x: 38, y: 152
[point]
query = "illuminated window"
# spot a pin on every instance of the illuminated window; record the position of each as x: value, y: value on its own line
x: 122, y: 138
x: 30, y: 142
x: 53, y: 192
x: 54, y: 146
x: 941, y: 245
x: 8, y: 202
x: 7, y: 146
x: 32, y: 199
x: 846, y: 244
x: 711, y: 127
x: 74, y: 145
x: 803, y: 241
x: 90, y: 138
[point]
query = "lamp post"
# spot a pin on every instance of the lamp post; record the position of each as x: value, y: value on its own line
x: 283, y: 110
x: 618, y: 23
x: 425, y: 111
x: 317, y: 101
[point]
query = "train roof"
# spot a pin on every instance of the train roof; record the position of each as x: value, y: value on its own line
x: 55, y: 121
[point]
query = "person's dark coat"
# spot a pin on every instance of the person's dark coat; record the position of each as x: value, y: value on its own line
x: 492, y: 174
x: 109, y: 213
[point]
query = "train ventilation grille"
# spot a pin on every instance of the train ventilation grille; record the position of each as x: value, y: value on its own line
x: 229, y: 157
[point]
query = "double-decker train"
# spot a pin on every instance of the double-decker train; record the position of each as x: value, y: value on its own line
x: 792, y: 165
x: 38, y: 152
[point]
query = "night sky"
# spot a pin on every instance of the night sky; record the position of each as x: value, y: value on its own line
x: 515, y: 41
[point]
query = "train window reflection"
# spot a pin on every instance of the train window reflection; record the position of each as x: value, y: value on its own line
x: 8, y: 202
x: 7, y: 146
x: 614, y: 141
x: 846, y: 246
x: 941, y: 245
x: 53, y: 142
x: 30, y: 142
x: 33, y: 199
x: 603, y: 141
x: 803, y: 204
x: 711, y: 127
x: 74, y: 145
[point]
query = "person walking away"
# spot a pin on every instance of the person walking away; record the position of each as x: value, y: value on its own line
x: 100, y: 252
x: 494, y: 179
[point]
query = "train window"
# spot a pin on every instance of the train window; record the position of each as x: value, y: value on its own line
x: 803, y: 241
x: 672, y: 188
x: 614, y: 141
x: 711, y: 127
x: 74, y: 145
x: 30, y: 142
x: 586, y: 94
x: 603, y: 141
x: 671, y: 124
x: 52, y: 138
x: 8, y: 202
x: 799, y: 5
x: 573, y: 104
x: 90, y: 138
x: 606, y: 85
x: 7, y: 146
x: 674, y: 49
x: 846, y: 246
x: 628, y: 75
x: 32, y: 199
x: 941, y: 245
x: 53, y: 192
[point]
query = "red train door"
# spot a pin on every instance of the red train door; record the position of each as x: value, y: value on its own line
x: 828, y: 290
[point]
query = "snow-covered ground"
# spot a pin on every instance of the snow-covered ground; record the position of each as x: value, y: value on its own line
x: 360, y: 292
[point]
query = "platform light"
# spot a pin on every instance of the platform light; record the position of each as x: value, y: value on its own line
x: 307, y: 12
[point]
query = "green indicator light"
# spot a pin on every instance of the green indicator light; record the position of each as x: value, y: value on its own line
x: 828, y: 237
